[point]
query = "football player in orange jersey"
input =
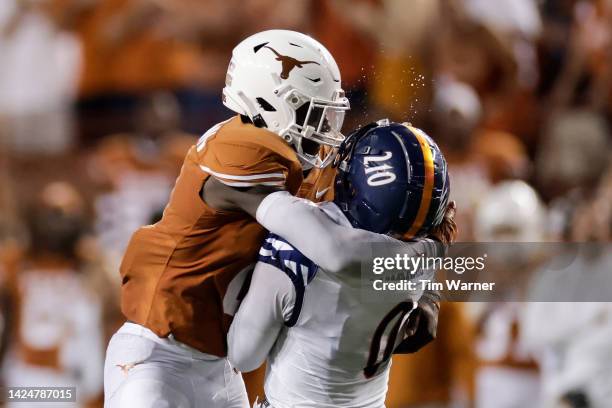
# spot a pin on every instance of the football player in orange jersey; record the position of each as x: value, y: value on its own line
x: 183, y: 278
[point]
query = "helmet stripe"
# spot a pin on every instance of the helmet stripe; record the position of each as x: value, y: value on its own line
x: 429, y: 182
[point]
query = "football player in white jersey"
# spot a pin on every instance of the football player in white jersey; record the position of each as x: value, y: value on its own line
x: 327, y: 344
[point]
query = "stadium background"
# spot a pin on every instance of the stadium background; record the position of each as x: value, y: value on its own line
x: 100, y: 99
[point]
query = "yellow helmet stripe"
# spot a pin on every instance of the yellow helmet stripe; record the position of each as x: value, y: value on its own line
x: 429, y: 182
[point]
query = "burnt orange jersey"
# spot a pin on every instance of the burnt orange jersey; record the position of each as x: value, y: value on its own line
x: 319, y: 184
x: 179, y: 274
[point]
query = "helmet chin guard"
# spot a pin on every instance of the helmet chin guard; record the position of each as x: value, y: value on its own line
x: 290, y: 84
x: 318, y: 121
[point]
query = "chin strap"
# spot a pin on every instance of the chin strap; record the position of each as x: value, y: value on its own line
x: 259, y: 121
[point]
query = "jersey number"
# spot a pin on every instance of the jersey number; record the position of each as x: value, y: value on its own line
x: 401, y: 310
x: 379, y: 175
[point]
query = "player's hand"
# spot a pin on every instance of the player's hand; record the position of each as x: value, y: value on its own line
x: 446, y: 232
x: 422, y: 324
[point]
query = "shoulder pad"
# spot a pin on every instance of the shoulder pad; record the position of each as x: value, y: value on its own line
x: 245, y: 156
x: 301, y: 270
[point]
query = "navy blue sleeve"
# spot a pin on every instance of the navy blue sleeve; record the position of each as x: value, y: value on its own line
x: 301, y: 270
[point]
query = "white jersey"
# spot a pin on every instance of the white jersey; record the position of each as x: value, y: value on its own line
x: 59, y: 339
x: 327, y: 342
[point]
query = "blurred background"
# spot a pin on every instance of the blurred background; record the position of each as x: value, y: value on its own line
x: 100, y: 100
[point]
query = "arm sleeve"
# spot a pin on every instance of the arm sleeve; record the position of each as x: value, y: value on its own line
x: 260, y: 318
x: 332, y: 246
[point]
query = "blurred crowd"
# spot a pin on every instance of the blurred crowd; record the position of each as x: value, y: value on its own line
x: 100, y: 100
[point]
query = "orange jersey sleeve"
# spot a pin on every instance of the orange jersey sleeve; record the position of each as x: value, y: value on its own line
x: 241, y: 155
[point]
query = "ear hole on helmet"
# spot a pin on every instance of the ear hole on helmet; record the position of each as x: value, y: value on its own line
x: 259, y: 121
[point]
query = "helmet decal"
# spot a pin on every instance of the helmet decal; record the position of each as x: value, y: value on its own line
x: 287, y: 62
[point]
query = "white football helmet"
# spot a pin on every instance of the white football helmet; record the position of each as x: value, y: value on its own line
x: 289, y: 83
x: 511, y: 212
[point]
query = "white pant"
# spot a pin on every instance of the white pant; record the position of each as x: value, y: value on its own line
x: 506, y: 387
x: 145, y: 371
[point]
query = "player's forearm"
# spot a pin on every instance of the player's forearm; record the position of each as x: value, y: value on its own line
x: 259, y: 319
x: 253, y: 333
x: 248, y: 346
x: 306, y: 227
x: 331, y: 246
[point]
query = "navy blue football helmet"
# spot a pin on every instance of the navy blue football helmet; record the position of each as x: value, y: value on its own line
x: 392, y: 179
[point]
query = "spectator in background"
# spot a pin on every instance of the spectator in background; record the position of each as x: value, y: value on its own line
x: 574, y: 152
x: 475, y: 54
x: 12, y: 240
x: 39, y: 72
x: 456, y: 114
x: 570, y: 329
x: 58, y: 335
x: 508, y: 376
x: 585, y: 76
x: 510, y: 31
x: 576, y: 133
x: 477, y: 156
x: 518, y: 24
